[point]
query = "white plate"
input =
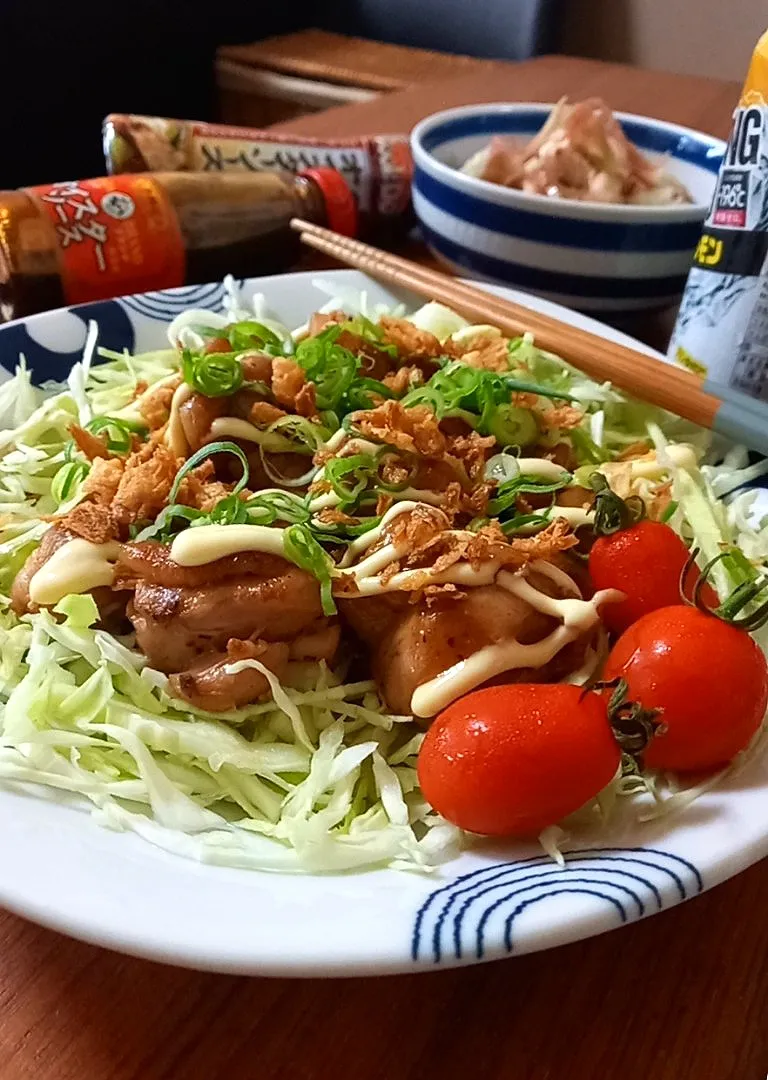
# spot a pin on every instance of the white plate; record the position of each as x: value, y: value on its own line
x: 59, y: 868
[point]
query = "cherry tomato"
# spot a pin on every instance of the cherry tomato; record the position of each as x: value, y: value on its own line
x: 511, y: 760
x: 645, y: 562
x: 708, y: 678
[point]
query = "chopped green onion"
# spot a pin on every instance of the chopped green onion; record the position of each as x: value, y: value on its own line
x: 524, y: 520
x: 587, y: 450
x: 66, y: 480
x: 460, y: 387
x: 359, y: 394
x: 254, y: 335
x: 162, y: 527
x: 272, y: 506
x: 507, y: 493
x: 369, y: 331
x: 117, y: 431
x: 208, y: 331
x: 330, y: 366
x: 202, y: 455
x: 669, y: 512
x: 230, y: 510
x: 350, y: 476
x: 302, y: 548
x: 511, y: 425
x: 212, y: 374
x: 302, y: 435
x: 521, y: 386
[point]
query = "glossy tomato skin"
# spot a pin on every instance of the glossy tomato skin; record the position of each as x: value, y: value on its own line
x: 709, y: 679
x: 644, y: 561
x: 511, y: 760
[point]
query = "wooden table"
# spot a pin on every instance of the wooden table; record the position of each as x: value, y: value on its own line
x: 683, y: 996
x: 703, y: 104
x: 700, y: 103
x: 291, y: 75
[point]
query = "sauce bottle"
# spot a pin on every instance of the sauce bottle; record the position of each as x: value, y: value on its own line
x: 377, y: 168
x: 78, y: 241
x: 722, y: 327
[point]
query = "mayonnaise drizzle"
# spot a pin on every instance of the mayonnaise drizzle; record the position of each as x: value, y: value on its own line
x: 459, y: 574
x: 175, y: 439
x: 330, y: 498
x: 206, y: 543
x: 574, y: 515
x: 76, y: 567
x: 541, y: 468
x: 368, y: 539
x: 354, y: 446
x: 502, y: 467
x: 579, y: 617
x: 231, y: 427
x: 382, y: 557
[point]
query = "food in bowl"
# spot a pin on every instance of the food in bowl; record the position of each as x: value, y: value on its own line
x: 592, y: 256
x: 243, y: 575
x: 582, y: 153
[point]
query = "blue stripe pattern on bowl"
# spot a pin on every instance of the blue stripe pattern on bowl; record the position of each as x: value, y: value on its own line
x: 577, y: 287
x: 588, y: 256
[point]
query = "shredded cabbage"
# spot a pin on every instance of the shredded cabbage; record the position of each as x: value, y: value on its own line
x: 321, y: 777
x: 335, y: 791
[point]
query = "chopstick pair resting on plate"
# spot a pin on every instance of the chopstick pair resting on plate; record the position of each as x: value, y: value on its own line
x: 731, y: 413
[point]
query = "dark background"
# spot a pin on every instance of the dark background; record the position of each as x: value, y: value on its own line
x: 63, y: 66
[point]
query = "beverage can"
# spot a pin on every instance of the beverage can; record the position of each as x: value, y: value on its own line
x: 722, y: 327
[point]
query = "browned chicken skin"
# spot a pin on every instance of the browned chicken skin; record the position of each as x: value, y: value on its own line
x: 192, y: 622
x: 174, y: 626
x: 412, y: 643
x: 52, y: 540
x: 111, y: 605
x: 196, y: 415
x: 208, y: 685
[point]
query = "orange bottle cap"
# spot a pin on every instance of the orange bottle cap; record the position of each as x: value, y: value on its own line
x: 340, y: 205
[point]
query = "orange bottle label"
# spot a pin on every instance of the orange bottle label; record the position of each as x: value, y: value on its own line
x: 116, y: 235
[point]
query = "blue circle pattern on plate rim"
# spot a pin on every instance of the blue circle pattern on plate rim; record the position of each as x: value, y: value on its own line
x: 452, y: 922
x: 119, y: 324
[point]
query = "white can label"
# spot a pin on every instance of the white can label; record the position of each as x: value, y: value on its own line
x: 722, y: 327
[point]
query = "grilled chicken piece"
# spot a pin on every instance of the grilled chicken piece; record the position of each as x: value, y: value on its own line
x: 412, y: 643
x: 191, y: 622
x: 150, y: 562
x: 176, y: 625
x: 52, y: 540
x: 196, y: 415
x: 375, y: 363
x: 111, y: 605
x: 207, y: 684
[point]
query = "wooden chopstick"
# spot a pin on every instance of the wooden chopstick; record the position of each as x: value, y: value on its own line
x: 640, y: 375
